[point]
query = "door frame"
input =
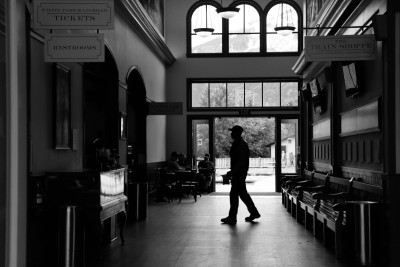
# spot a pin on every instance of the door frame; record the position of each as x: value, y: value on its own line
x: 210, y: 117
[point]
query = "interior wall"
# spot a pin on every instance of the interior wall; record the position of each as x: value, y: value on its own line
x: 16, y: 133
x: 3, y: 141
x: 120, y: 40
x: 397, y: 83
x: 130, y: 50
x: 43, y: 155
x: 183, y: 68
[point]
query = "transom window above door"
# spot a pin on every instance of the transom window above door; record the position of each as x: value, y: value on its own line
x: 251, y: 32
x: 238, y: 94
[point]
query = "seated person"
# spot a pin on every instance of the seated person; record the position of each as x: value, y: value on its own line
x: 173, y: 164
x: 206, y: 170
x: 183, y: 161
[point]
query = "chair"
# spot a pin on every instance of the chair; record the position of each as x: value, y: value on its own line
x: 187, y: 184
x: 205, y: 179
x: 166, y: 186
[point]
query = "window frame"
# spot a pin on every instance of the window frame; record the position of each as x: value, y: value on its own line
x: 279, y: 80
x: 225, y: 30
x: 299, y: 30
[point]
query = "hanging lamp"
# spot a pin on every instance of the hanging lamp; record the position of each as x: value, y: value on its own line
x: 204, y: 31
x: 286, y: 26
x: 227, y: 12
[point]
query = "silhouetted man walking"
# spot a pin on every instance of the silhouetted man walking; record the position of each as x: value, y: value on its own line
x: 239, y: 154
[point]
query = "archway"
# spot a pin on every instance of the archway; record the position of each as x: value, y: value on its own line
x: 136, y: 124
x: 100, y: 107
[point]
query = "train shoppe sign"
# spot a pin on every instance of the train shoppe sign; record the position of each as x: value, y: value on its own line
x: 340, y: 48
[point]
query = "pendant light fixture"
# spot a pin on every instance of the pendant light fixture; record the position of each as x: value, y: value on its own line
x: 227, y: 12
x: 284, y: 21
x: 203, y: 17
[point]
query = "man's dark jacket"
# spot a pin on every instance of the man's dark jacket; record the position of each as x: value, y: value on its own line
x: 239, y: 154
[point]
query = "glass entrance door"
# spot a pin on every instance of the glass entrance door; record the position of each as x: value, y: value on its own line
x: 273, y: 144
x: 200, y: 140
x: 289, y: 145
x: 259, y: 133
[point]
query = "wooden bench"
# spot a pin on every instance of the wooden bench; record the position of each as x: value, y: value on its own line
x: 302, y: 201
x: 286, y: 182
x: 322, y: 203
x: 327, y: 221
x: 289, y: 182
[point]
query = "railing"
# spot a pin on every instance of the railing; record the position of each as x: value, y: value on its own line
x: 222, y: 163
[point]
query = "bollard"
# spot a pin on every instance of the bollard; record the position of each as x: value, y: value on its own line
x: 362, y: 219
x: 139, y: 201
x: 70, y: 238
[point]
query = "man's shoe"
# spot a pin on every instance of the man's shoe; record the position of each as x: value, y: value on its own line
x: 252, y: 217
x: 228, y: 220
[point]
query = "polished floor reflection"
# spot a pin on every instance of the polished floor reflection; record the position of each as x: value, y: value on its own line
x: 190, y: 234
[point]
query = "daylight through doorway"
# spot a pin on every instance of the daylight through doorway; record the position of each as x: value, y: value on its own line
x: 259, y: 133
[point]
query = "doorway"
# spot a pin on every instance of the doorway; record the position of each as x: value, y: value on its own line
x: 273, y: 144
x: 136, y: 119
x: 259, y: 133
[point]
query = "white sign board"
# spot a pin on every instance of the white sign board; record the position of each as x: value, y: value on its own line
x: 340, y: 48
x: 74, y: 14
x: 165, y: 108
x: 74, y: 48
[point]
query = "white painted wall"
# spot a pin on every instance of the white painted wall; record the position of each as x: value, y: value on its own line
x: 183, y: 68
x: 16, y: 135
x: 129, y: 49
x: 397, y: 88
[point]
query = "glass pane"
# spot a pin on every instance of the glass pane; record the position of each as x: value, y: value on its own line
x: 217, y: 94
x: 236, y: 24
x: 253, y: 93
x: 242, y: 43
x: 289, y: 141
x: 201, y: 144
x: 276, y: 42
x: 289, y: 94
x: 200, y: 95
x: 247, y: 21
x: 271, y: 97
x: 252, y: 20
x: 235, y: 94
x: 213, y: 19
x: 274, y: 17
x: 211, y: 44
x: 259, y: 133
x: 279, y: 43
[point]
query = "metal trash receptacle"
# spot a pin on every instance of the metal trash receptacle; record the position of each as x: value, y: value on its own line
x: 70, y: 238
x: 139, y: 200
x: 362, y: 217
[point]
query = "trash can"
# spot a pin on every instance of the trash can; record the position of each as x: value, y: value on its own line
x: 138, y: 201
x: 362, y: 218
x: 70, y: 238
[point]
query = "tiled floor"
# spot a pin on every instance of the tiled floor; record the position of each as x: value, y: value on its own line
x: 190, y: 234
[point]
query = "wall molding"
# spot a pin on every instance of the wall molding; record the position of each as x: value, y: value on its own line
x: 322, y: 167
x: 367, y: 176
x: 123, y: 85
x: 148, y: 30
x: 322, y: 129
x: 368, y: 131
x: 362, y: 119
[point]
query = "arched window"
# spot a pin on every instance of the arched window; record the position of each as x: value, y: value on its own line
x: 250, y: 32
x: 204, y: 15
x: 286, y: 12
x: 244, y: 30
